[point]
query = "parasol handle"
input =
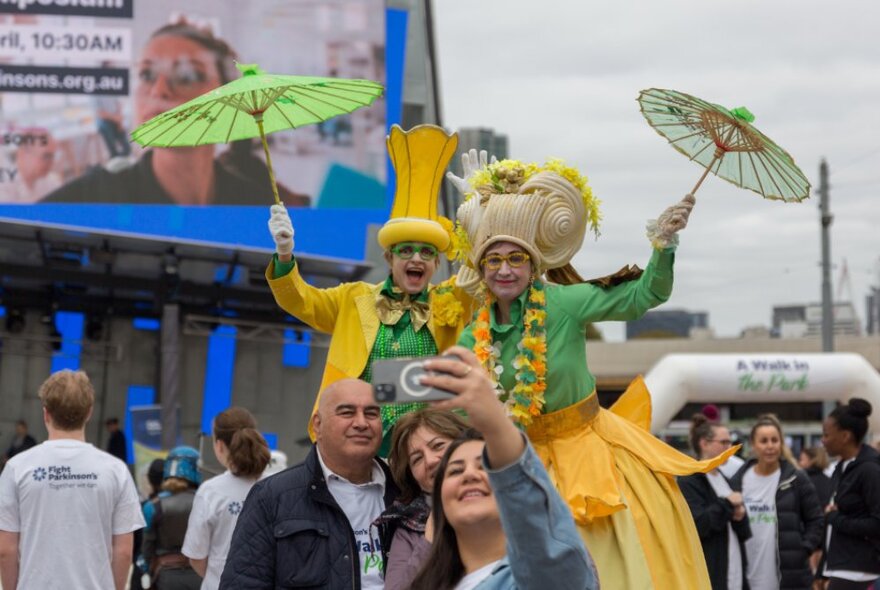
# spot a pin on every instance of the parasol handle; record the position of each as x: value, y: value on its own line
x: 719, y: 153
x: 258, y: 117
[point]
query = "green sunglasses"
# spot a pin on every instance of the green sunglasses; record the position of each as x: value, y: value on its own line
x: 407, y: 250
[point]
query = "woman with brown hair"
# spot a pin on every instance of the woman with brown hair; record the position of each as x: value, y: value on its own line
x: 718, y: 511
x: 500, y: 524
x: 814, y: 461
x: 417, y: 446
x: 243, y: 451
x: 784, y: 512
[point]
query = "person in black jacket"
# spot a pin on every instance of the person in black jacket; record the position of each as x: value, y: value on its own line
x: 852, y: 554
x: 784, y: 513
x: 155, y: 473
x: 309, y: 526
x: 718, y: 511
x: 21, y: 442
x: 117, y: 445
x: 814, y: 462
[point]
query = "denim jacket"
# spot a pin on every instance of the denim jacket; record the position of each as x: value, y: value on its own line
x: 542, y: 541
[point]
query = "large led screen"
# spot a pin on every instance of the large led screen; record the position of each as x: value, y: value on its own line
x: 76, y: 76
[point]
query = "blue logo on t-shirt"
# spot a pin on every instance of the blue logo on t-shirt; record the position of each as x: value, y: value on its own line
x: 234, y: 508
x: 64, y: 474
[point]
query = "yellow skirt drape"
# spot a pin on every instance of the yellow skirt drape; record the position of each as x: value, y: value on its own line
x: 619, y: 481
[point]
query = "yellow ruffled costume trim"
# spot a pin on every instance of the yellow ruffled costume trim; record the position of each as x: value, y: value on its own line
x: 619, y: 481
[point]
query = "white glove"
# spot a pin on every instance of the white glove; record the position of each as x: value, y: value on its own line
x: 663, y: 231
x: 281, y: 229
x: 470, y: 163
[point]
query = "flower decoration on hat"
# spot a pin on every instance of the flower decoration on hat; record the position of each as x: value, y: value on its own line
x: 545, y: 209
x: 454, y: 251
x: 448, y: 310
x: 508, y: 176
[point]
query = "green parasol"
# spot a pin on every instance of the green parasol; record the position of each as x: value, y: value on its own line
x: 725, y: 143
x: 271, y: 103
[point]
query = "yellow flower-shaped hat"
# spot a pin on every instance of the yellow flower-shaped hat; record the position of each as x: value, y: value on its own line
x: 420, y: 157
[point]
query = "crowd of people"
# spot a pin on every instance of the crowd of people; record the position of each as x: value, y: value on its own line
x: 772, y: 523
x: 461, y: 503
x: 518, y: 479
x: 67, y: 501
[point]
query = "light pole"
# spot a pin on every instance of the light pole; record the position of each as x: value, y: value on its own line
x: 826, y: 219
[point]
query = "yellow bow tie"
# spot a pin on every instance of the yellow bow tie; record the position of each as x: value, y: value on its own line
x: 391, y: 310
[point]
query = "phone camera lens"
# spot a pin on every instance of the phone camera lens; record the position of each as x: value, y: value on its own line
x: 384, y: 392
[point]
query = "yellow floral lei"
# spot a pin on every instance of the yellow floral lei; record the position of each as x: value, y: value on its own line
x: 526, y: 400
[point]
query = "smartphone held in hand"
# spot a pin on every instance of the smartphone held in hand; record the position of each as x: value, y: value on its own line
x: 398, y: 381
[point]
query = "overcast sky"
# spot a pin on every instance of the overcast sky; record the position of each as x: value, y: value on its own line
x: 560, y: 78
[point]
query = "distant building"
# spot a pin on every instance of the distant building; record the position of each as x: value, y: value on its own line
x: 873, y: 308
x: 421, y: 84
x: 799, y: 321
x: 755, y: 332
x: 789, y: 321
x: 784, y: 314
x: 479, y: 138
x: 673, y: 323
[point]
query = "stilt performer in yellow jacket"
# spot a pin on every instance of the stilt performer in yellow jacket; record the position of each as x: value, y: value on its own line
x: 405, y: 315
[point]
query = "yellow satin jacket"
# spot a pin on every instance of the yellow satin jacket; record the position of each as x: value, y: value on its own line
x: 348, y: 313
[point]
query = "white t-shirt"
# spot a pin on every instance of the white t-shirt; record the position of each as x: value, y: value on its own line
x: 362, y: 504
x: 215, y: 511
x: 734, y: 557
x: 472, y: 580
x: 759, y: 495
x: 67, y: 500
x: 731, y: 466
x: 832, y: 465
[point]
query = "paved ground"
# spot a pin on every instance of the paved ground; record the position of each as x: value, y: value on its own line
x: 126, y: 585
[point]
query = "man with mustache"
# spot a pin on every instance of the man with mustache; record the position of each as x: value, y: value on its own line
x: 309, y: 526
x: 403, y: 316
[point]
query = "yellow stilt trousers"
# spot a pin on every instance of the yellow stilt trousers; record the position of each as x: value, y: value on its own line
x: 619, y: 481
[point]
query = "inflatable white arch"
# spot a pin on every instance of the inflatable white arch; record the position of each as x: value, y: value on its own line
x: 726, y: 378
